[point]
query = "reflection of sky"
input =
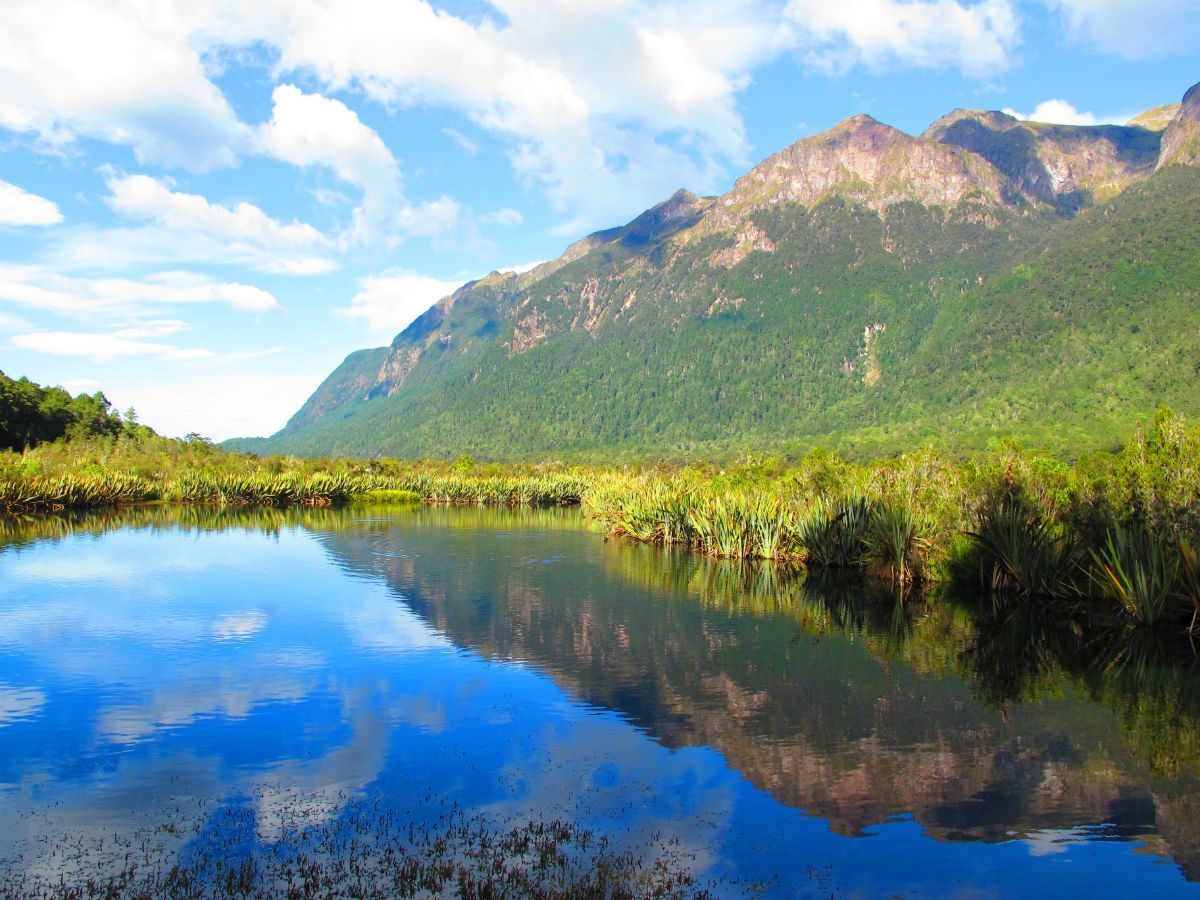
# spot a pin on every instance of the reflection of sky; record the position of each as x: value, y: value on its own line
x: 151, y: 675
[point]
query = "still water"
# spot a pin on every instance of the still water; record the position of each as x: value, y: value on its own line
x: 172, y: 679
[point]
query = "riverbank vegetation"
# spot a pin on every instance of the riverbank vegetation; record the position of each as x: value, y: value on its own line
x: 1025, y: 525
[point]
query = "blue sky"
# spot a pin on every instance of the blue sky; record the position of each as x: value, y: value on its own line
x: 205, y: 206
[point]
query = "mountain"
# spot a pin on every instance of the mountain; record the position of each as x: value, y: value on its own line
x: 862, y: 288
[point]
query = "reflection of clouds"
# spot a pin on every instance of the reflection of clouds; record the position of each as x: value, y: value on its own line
x: 590, y: 769
x: 1052, y: 841
x: 238, y: 626
x: 421, y: 713
x: 232, y: 693
x: 92, y: 563
x: 298, y: 793
x: 18, y: 704
x: 48, y: 625
x: 381, y: 623
x: 74, y: 834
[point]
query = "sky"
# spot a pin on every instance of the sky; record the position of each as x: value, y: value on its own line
x: 204, y: 206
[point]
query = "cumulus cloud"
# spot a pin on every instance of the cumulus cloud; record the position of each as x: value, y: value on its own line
x: 312, y: 130
x: 47, y: 290
x: 1058, y: 112
x: 19, y: 207
x: 605, y: 107
x: 521, y: 268
x: 977, y: 39
x: 388, y: 302
x: 177, y: 227
x: 1134, y: 29
x: 123, y: 72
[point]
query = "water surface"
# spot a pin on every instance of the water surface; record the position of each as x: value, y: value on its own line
x: 167, y: 672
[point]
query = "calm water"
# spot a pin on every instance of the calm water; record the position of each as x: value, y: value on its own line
x: 174, y: 678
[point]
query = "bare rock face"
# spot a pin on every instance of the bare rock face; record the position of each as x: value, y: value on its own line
x: 867, y: 162
x: 1065, y: 166
x: 1181, y: 140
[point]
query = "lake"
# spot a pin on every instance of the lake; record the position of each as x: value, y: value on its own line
x: 260, y: 698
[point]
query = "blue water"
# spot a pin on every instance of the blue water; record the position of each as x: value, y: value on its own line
x: 155, y: 675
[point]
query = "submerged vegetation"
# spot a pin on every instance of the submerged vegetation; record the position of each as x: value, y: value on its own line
x: 368, y: 853
x: 1119, y: 527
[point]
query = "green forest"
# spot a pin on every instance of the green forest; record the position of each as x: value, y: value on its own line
x: 31, y: 414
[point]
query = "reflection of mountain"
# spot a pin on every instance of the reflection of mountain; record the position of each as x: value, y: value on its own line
x: 846, y: 707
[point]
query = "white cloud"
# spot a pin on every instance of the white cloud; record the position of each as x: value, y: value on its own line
x: 1135, y: 29
x: 124, y: 72
x: 580, y: 90
x: 606, y: 106
x: 977, y: 39
x: 19, y: 207
x: 156, y: 328
x: 46, y: 290
x: 311, y: 130
x: 523, y: 267
x: 468, y: 146
x: 101, y: 347
x: 9, y: 322
x: 1058, y: 112
x: 505, y: 217
x: 77, y: 386
x: 390, y: 301
x: 178, y: 227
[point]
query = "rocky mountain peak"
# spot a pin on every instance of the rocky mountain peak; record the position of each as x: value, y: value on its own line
x: 865, y: 161
x: 1181, y: 140
x: 1065, y: 166
x: 679, y: 211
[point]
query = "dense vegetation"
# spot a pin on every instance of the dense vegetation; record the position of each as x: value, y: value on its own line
x: 31, y: 414
x: 1122, y: 526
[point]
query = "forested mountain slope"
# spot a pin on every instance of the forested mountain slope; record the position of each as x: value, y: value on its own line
x: 863, y: 289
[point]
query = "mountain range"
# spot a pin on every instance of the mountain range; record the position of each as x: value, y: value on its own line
x: 862, y: 289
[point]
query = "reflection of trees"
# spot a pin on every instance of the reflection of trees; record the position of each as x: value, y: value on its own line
x: 840, y: 697
x: 18, y: 529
